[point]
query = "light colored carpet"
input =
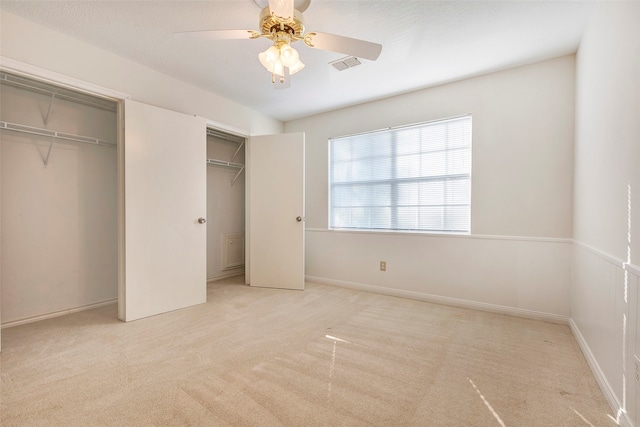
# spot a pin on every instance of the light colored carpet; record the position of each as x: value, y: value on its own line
x: 323, y: 357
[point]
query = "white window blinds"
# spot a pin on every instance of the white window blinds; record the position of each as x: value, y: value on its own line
x: 410, y: 178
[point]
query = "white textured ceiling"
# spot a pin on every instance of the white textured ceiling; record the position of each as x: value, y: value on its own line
x: 425, y: 43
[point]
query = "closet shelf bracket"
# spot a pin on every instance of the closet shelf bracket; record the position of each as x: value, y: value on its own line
x: 46, y: 117
x: 45, y: 160
x: 237, y: 151
x: 237, y: 175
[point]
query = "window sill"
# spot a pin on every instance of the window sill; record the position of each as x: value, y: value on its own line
x: 395, y: 232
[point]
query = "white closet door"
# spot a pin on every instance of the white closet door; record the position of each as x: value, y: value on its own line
x: 164, y: 196
x: 275, y: 174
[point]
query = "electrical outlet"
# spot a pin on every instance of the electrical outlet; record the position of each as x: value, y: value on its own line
x: 383, y: 266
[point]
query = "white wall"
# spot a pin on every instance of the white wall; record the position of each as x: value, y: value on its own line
x: 59, y: 223
x: 521, y: 195
x: 1, y: 246
x: 225, y: 204
x: 605, y: 297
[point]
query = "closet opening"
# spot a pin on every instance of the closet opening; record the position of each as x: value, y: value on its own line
x: 225, y: 205
x: 58, y: 200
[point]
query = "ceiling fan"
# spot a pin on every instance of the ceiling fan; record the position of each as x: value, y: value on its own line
x: 283, y: 24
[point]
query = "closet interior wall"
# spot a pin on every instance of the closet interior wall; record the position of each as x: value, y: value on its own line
x: 58, y: 205
x: 225, y: 205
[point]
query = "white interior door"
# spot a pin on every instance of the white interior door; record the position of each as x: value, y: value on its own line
x: 275, y: 201
x: 164, y: 196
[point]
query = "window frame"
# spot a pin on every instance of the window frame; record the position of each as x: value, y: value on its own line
x: 395, y: 182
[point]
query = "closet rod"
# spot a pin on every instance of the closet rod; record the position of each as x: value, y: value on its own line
x: 59, y: 135
x: 217, y: 162
x: 226, y: 136
x: 61, y: 93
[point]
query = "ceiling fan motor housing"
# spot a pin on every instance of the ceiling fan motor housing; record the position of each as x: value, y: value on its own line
x: 270, y: 24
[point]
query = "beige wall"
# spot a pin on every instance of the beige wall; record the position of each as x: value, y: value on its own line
x: 225, y: 204
x: 522, y: 145
x: 518, y: 254
x: 605, y: 295
x: 607, y: 155
x: 59, y: 223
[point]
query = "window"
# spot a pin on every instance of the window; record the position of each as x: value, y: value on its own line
x: 412, y: 178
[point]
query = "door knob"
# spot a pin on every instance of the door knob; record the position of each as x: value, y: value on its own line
x: 298, y: 218
x: 201, y: 220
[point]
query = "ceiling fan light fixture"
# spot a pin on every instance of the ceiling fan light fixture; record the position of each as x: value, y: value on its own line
x: 278, y: 68
x: 281, y: 21
x: 269, y: 57
x: 288, y: 55
x: 296, y: 67
x: 280, y: 57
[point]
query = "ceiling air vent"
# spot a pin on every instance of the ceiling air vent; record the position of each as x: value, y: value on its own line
x: 344, y: 63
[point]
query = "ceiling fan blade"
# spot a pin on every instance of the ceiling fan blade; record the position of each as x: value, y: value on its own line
x: 346, y: 45
x: 219, y: 34
x: 281, y: 8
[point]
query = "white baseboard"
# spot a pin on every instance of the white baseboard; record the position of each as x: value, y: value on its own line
x: 227, y: 275
x: 58, y: 313
x: 96, y: 305
x: 622, y: 417
x: 493, y: 308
